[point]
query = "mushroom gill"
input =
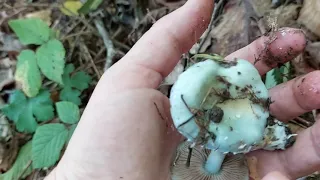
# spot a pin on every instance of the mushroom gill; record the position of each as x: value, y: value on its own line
x: 191, y: 167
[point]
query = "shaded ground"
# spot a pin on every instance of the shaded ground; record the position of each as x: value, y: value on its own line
x: 95, y: 41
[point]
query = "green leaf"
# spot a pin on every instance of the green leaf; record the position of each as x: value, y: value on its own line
x: 80, y: 80
x: 28, y: 73
x: 31, y: 30
x: 71, y: 131
x: 69, y: 94
x: 47, y: 144
x: 278, y: 75
x: 17, y: 101
x: 22, y: 166
x: 68, y: 112
x: 23, y: 111
x: 90, y: 5
x: 270, y: 79
x: 42, y: 106
x: 72, y: 86
x: 285, y: 71
x: 50, y: 58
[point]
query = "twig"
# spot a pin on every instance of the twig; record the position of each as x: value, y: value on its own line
x: 86, y: 51
x: 76, y: 34
x: 107, y: 42
x: 303, y: 121
x: 11, y: 15
x: 212, y: 22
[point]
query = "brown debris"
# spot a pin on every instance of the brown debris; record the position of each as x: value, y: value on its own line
x: 309, y: 16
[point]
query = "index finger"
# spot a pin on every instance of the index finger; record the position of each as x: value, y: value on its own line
x: 155, y: 55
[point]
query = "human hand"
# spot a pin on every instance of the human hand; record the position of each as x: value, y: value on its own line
x: 125, y: 131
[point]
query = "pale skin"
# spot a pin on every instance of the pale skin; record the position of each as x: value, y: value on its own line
x: 122, y: 136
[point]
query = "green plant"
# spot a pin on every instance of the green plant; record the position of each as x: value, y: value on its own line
x: 32, y: 104
x: 278, y: 75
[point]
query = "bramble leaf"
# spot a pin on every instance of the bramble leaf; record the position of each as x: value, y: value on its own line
x: 80, y: 80
x: 69, y: 94
x: 68, y: 112
x: 22, y: 166
x: 74, y: 85
x: 15, y: 106
x: 30, y: 30
x: 278, y: 75
x: 71, y: 131
x: 42, y: 106
x: 270, y: 79
x: 47, y: 144
x: 28, y: 73
x: 24, y: 112
x: 50, y: 58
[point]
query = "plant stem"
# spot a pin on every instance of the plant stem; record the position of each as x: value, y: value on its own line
x: 214, y: 162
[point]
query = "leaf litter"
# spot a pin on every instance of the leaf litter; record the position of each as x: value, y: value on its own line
x: 92, y: 36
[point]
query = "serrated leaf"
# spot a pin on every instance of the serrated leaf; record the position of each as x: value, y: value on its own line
x: 71, y: 131
x: 50, y: 58
x: 72, y: 86
x: 42, y: 106
x: 28, y: 73
x: 69, y: 94
x: 22, y: 111
x: 68, y: 112
x: 22, y: 166
x: 70, y: 8
x: 16, y: 101
x: 30, y: 30
x: 80, y: 80
x: 47, y: 144
x: 270, y: 80
x: 90, y: 5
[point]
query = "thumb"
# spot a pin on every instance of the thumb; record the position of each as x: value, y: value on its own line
x: 275, y: 176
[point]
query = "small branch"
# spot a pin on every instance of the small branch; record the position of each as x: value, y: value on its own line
x: 86, y: 51
x: 107, y: 42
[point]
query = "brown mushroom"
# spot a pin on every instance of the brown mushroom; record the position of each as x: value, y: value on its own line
x: 186, y: 167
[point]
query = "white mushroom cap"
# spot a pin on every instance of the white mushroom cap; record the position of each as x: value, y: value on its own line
x: 234, y: 167
x: 234, y: 87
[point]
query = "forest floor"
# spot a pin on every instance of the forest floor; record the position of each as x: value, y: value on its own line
x: 90, y: 36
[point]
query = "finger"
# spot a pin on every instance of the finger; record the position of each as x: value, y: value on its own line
x: 302, y: 159
x: 273, y: 49
x: 295, y: 97
x: 154, y: 56
x: 275, y: 176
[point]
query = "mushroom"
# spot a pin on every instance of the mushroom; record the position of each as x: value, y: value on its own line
x: 233, y: 167
x: 223, y: 106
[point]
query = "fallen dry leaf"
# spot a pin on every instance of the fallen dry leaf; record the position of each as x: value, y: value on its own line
x: 8, y: 145
x: 44, y: 15
x: 9, y: 43
x: 309, y: 16
x: 313, y: 54
x: 6, y: 72
x: 70, y: 8
x: 173, y: 76
x: 234, y: 31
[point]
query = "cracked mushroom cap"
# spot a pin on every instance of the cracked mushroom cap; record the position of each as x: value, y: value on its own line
x: 233, y: 167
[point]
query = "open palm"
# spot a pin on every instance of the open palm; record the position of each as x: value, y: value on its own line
x: 122, y: 135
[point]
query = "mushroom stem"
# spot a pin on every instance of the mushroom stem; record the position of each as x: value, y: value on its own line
x: 214, y: 162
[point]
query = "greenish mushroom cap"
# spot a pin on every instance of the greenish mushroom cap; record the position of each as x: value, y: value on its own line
x: 235, y: 88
